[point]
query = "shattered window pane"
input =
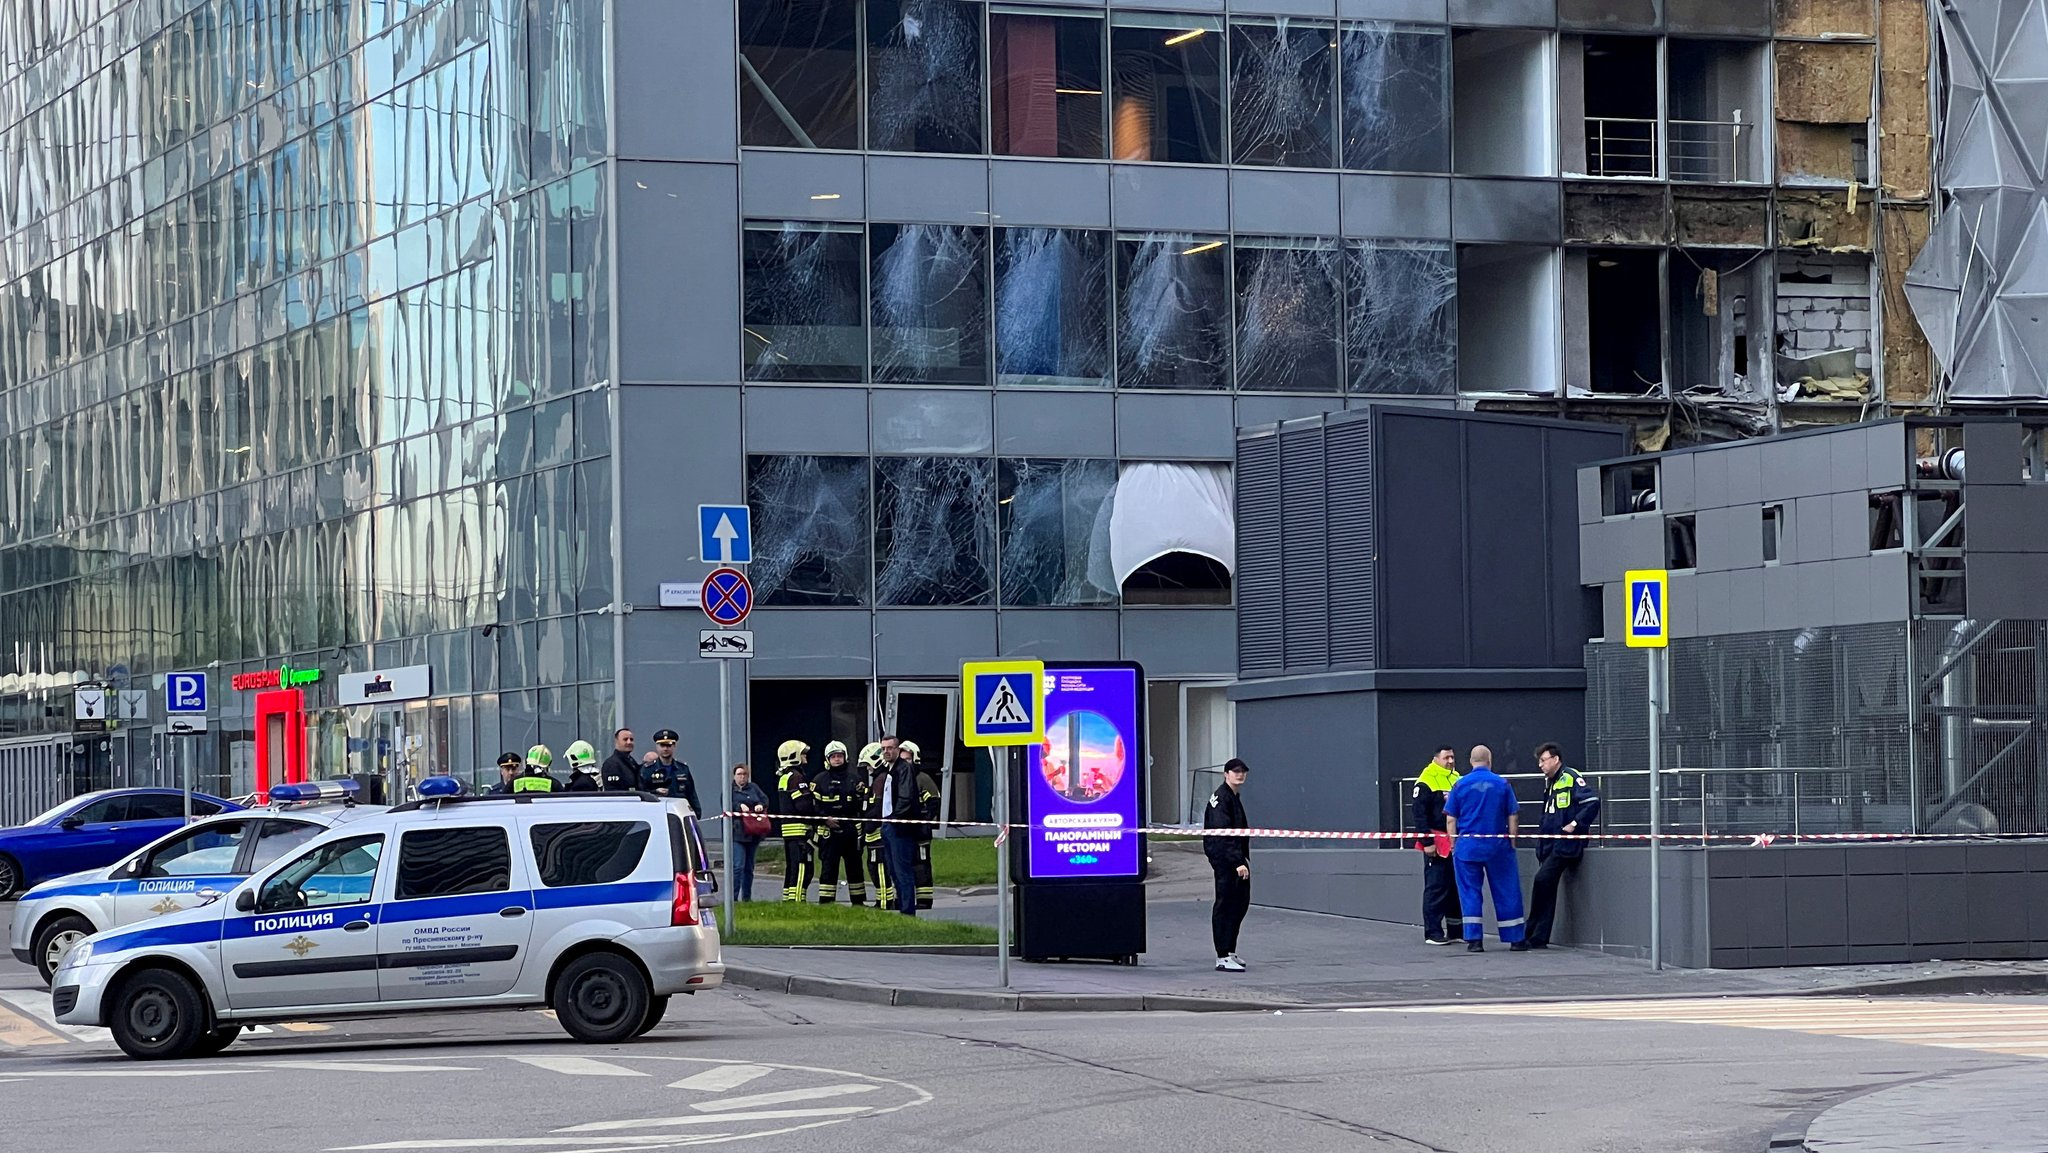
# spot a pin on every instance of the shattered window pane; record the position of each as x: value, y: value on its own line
x: 1166, y: 78
x: 934, y: 530
x: 924, y: 76
x: 1403, y: 333
x: 1173, y: 323
x: 799, y: 82
x: 1283, y: 92
x: 1054, y: 518
x: 1052, y: 307
x: 930, y: 303
x: 1045, y: 84
x: 810, y: 529
x: 803, y: 306
x: 1287, y: 318
x: 1396, y: 98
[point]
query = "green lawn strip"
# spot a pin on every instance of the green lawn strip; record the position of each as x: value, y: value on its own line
x: 957, y: 862
x: 789, y: 923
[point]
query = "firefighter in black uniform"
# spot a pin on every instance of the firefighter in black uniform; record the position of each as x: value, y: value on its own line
x: 928, y: 796
x: 793, y: 800
x: 1569, y: 806
x: 837, y: 793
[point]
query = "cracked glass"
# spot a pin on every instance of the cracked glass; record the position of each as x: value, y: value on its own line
x: 924, y: 76
x: 1174, y: 314
x: 811, y: 544
x: 1166, y: 88
x: 1396, y: 98
x: 934, y: 530
x: 1402, y: 335
x: 1053, y: 516
x: 1287, y: 314
x: 802, y: 318
x: 799, y: 74
x: 1045, y: 83
x: 1283, y: 92
x: 930, y: 303
x: 1052, y: 307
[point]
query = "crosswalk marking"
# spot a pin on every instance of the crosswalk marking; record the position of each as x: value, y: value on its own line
x: 722, y: 1078
x: 715, y: 1119
x: 579, y: 1066
x: 2018, y: 1028
x: 21, y: 1031
x: 36, y: 1003
x: 784, y: 1097
x: 368, y: 1067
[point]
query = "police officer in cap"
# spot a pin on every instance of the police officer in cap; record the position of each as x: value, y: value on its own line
x: 666, y: 776
x: 508, y: 771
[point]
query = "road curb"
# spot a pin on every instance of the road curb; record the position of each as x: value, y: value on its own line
x: 993, y: 1000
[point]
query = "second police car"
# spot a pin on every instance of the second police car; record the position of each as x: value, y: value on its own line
x: 584, y: 903
x: 192, y: 866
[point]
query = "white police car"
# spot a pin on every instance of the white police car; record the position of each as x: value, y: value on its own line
x: 187, y: 868
x: 586, y: 903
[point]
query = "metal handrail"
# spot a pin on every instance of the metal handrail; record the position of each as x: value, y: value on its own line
x: 1682, y: 796
x: 1622, y: 146
x: 1711, y: 151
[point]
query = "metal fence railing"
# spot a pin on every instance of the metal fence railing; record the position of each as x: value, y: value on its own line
x: 1619, y: 146
x: 1710, y: 802
x: 1712, y: 151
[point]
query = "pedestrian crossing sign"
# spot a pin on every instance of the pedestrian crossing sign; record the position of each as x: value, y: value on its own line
x: 1005, y: 703
x: 1646, y: 609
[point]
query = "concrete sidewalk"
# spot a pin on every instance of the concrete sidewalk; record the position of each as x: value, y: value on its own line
x: 1989, y: 1111
x: 1299, y: 960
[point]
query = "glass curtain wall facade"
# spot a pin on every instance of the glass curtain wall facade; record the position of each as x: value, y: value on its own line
x: 304, y: 360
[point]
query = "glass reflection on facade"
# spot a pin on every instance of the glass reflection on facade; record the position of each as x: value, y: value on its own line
x: 303, y: 345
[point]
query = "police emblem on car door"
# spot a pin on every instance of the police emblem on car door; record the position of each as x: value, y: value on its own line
x: 308, y: 934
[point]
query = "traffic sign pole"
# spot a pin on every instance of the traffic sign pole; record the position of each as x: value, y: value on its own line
x: 1002, y: 799
x: 1656, y: 694
x: 725, y: 761
x: 1646, y: 624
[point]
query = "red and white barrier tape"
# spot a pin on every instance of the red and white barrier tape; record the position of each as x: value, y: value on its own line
x: 1753, y: 840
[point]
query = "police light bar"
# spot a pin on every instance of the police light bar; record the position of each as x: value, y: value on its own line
x: 304, y: 791
x: 440, y: 787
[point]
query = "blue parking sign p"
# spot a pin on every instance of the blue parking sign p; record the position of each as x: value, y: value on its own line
x: 185, y: 693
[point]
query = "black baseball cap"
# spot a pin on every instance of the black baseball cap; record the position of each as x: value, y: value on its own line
x: 512, y: 759
x: 1233, y: 765
x: 667, y: 736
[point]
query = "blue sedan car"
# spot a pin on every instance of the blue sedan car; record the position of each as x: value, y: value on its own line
x: 93, y: 830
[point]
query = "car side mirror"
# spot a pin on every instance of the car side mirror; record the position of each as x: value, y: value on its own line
x: 72, y: 822
x: 245, y: 901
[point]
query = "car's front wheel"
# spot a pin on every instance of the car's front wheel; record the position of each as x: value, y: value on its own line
x: 56, y: 939
x: 601, y: 998
x: 157, y: 1015
x: 10, y: 877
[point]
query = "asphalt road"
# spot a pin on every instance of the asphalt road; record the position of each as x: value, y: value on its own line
x: 821, y: 1075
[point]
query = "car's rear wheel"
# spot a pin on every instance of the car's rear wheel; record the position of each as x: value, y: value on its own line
x: 657, y: 1008
x: 56, y: 939
x: 601, y: 998
x: 10, y: 877
x: 213, y: 1042
x: 157, y: 1015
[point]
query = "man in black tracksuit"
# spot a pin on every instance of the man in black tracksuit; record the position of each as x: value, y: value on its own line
x: 1569, y: 806
x: 1231, y: 858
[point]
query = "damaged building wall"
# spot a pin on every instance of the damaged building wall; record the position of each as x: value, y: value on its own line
x: 1905, y: 155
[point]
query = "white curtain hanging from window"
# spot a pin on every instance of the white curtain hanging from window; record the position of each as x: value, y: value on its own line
x: 1163, y: 508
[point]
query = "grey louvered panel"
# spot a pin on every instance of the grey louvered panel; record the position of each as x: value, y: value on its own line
x: 1304, y: 576
x: 1259, y: 644
x: 1354, y: 606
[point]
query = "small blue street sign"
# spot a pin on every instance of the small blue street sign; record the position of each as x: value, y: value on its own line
x: 725, y: 534
x: 185, y: 693
x: 728, y: 598
x: 1006, y: 703
x: 1648, y: 608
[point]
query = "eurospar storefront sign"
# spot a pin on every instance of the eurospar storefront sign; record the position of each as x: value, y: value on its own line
x: 1083, y: 786
x: 286, y: 677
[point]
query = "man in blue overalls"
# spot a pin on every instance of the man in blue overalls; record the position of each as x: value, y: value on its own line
x: 1481, y: 815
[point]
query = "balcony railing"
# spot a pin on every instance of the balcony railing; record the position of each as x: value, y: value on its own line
x: 1702, y: 151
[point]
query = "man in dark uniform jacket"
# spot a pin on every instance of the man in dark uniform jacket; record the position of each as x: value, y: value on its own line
x: 666, y: 776
x: 619, y: 773
x: 1231, y: 858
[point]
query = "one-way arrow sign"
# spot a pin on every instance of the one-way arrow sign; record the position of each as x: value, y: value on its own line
x: 725, y: 534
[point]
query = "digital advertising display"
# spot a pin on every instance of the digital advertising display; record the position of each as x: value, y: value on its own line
x: 1083, y: 784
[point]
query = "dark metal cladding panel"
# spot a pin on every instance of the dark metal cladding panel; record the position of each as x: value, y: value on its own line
x: 1304, y: 576
x: 1353, y: 586
x: 1258, y: 556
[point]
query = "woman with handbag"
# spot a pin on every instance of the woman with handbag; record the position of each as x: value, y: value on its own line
x: 751, y: 803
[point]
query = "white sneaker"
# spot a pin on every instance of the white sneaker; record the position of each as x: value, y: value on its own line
x: 1229, y: 965
x: 1238, y: 959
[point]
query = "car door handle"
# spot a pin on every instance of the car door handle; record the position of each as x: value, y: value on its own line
x: 208, y: 894
x: 512, y: 911
x: 355, y: 926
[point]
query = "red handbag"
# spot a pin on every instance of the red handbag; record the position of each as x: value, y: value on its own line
x: 756, y: 824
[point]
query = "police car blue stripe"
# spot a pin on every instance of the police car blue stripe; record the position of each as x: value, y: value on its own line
x: 92, y: 889
x: 577, y: 896
x: 463, y: 905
